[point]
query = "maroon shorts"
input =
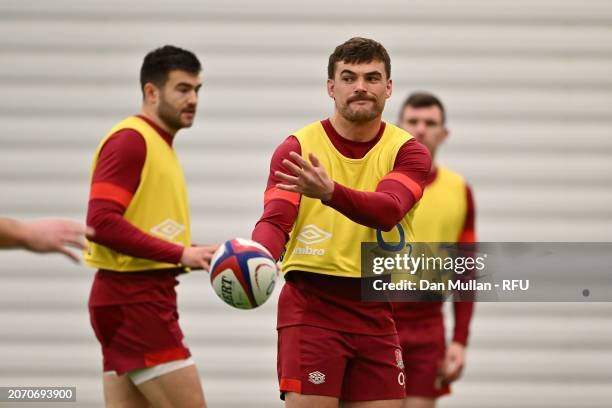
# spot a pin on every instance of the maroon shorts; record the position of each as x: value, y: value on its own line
x: 423, y: 347
x: 351, y: 367
x: 138, y: 335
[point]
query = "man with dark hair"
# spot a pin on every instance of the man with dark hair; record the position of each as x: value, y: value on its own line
x: 445, y: 214
x: 43, y: 236
x: 138, y: 207
x: 332, y: 185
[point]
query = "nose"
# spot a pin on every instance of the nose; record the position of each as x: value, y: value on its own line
x: 421, y: 128
x: 193, y: 98
x: 417, y: 130
x: 360, y: 85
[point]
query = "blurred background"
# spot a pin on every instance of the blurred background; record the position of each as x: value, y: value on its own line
x: 528, y: 89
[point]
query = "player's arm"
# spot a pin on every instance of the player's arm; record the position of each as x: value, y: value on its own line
x: 46, y: 235
x: 280, y: 206
x: 381, y: 209
x: 463, y: 310
x: 114, y: 182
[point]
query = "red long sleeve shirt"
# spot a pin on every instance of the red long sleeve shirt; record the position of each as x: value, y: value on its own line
x: 381, y: 209
x: 115, y: 180
x: 339, y: 307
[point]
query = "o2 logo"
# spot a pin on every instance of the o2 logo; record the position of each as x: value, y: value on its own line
x: 395, y: 247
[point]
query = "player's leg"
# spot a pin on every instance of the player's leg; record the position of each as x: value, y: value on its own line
x: 423, y: 348
x: 295, y: 400
x: 145, y: 340
x: 120, y: 392
x: 375, y: 377
x: 311, y: 365
x: 177, y: 388
x: 419, y: 402
x: 373, y: 404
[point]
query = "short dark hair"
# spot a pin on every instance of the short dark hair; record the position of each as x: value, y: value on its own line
x: 358, y: 50
x: 423, y: 100
x: 159, y: 62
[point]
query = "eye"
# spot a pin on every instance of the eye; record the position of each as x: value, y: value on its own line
x: 348, y: 79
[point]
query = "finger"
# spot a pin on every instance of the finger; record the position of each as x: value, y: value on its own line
x: 75, y: 243
x: 74, y: 227
x: 289, y: 187
x: 452, y: 373
x: 313, y: 159
x: 69, y: 254
x: 286, y: 177
x: 75, y: 239
x: 295, y: 169
x: 304, y: 164
x: 90, y: 232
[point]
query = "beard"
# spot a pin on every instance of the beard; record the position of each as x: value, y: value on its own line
x: 361, y: 115
x: 171, y: 116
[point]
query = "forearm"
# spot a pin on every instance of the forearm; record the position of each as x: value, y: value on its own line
x: 273, y: 228
x: 463, y: 312
x: 13, y: 234
x: 381, y: 209
x: 116, y: 233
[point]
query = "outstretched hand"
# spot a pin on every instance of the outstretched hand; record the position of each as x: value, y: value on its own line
x: 307, y: 178
x: 56, y: 235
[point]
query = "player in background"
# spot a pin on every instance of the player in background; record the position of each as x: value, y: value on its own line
x: 445, y: 214
x: 138, y: 207
x: 43, y: 236
x: 332, y: 185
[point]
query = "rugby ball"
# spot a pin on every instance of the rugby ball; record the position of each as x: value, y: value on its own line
x: 243, y: 273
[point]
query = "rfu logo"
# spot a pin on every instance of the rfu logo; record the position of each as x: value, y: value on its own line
x: 168, y: 229
x: 311, y: 234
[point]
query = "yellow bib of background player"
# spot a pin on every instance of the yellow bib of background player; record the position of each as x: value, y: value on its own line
x: 159, y: 206
x: 323, y: 240
x: 442, y: 209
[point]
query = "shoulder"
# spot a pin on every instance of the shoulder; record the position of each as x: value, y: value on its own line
x: 127, y: 144
x: 313, y: 128
x: 452, y: 176
x: 412, y: 152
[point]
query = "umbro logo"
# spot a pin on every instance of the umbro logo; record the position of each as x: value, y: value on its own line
x: 311, y: 234
x: 168, y: 229
x: 316, y: 377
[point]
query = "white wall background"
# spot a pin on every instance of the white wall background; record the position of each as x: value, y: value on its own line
x: 528, y: 87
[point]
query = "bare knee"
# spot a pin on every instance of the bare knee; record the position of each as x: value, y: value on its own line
x: 295, y: 400
x: 397, y: 403
x: 419, y: 402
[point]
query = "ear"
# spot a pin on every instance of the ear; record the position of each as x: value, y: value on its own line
x: 389, y: 89
x: 151, y: 93
x: 330, y: 88
x: 444, y: 135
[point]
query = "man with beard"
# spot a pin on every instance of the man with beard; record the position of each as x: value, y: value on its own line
x: 332, y: 185
x: 445, y: 214
x: 138, y: 207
